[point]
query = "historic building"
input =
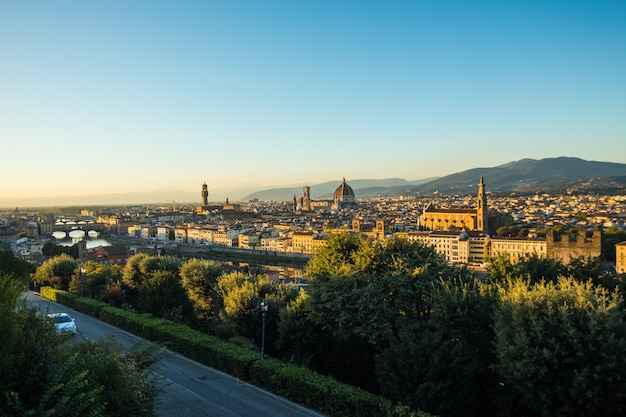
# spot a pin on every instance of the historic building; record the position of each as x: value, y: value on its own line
x: 343, y: 199
x: 455, y: 246
x: 620, y: 257
x: 569, y: 246
x: 466, y: 219
x: 519, y: 247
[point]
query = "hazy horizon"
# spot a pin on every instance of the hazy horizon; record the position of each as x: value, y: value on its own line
x: 102, y: 98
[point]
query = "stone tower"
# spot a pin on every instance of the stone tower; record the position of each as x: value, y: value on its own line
x: 306, y: 198
x: 205, y: 195
x: 481, y: 208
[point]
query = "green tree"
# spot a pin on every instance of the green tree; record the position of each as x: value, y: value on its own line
x: 389, y: 290
x: 586, y: 268
x: 241, y: 295
x: 67, y: 397
x: 164, y: 296
x: 14, y: 266
x: 561, y: 349
x: 132, y: 275
x: 97, y: 277
x: 128, y: 378
x: 501, y: 268
x: 57, y: 271
x: 344, y: 254
x: 442, y: 367
x: 300, y: 340
x: 10, y: 289
x: 141, y: 267
x: 610, y: 237
x: 378, y: 290
x: 199, y: 278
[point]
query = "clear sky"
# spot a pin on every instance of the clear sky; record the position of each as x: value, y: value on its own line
x: 116, y: 96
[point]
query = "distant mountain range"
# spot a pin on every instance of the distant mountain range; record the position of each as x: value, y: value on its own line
x: 523, y: 176
x: 327, y: 189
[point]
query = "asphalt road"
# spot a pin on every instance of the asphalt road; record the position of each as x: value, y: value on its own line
x: 189, y: 388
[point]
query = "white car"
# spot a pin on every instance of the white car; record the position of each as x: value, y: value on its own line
x: 63, y: 322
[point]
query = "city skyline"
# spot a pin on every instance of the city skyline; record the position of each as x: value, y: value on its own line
x: 109, y: 98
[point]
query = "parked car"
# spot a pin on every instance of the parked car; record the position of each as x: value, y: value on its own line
x: 63, y: 322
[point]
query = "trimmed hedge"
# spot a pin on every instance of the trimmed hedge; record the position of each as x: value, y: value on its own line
x: 326, y: 394
x: 50, y: 293
x: 208, y: 350
x: 293, y: 382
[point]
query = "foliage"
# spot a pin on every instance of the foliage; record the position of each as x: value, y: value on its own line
x: 389, y: 290
x: 114, y: 295
x: 300, y: 340
x: 96, y: 278
x: 586, y: 268
x: 610, y: 237
x: 132, y: 275
x: 140, y: 268
x: 198, y: 346
x: 443, y: 367
x: 71, y: 396
x: 343, y: 255
x: 50, y: 249
x: 11, y: 265
x: 323, y: 393
x: 163, y: 295
x: 199, y: 278
x: 61, y: 267
x: 561, y: 349
x: 10, y: 289
x: 532, y: 267
x: 241, y: 294
x: 131, y: 387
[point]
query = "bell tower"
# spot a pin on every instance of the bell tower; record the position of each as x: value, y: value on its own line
x: 306, y: 200
x: 481, y: 209
x: 205, y: 195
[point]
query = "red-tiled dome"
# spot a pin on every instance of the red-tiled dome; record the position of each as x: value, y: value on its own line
x: 344, y: 196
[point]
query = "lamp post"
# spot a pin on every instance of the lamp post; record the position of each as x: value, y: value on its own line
x: 263, y: 306
x: 82, y: 280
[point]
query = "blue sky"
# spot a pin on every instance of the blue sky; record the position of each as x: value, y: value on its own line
x: 124, y: 96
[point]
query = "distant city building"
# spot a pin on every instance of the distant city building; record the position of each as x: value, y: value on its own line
x: 205, y: 195
x: 343, y: 199
x: 620, y: 257
x: 466, y: 219
x: 569, y: 246
x: 108, y: 255
x: 519, y: 247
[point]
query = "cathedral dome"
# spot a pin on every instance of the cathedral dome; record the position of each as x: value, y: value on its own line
x: 344, y: 196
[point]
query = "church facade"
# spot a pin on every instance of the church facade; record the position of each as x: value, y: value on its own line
x: 474, y: 219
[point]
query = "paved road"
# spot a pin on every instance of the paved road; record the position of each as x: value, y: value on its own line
x: 190, y: 389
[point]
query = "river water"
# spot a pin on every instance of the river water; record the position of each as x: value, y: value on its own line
x: 91, y: 242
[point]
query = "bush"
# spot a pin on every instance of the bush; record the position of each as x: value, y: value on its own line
x: 314, y: 390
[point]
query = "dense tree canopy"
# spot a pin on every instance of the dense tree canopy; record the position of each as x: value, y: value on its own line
x: 443, y: 366
x: 56, y: 271
x: 164, y: 296
x: 561, y: 349
x: 384, y: 286
x: 199, y: 278
x: 14, y: 266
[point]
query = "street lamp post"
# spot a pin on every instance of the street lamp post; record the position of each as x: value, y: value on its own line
x: 263, y: 306
x: 82, y: 280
